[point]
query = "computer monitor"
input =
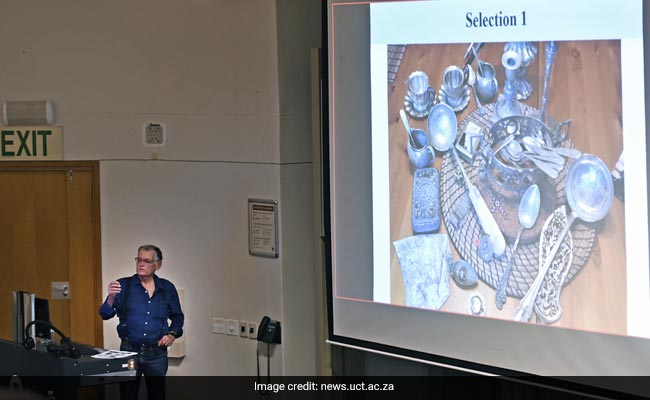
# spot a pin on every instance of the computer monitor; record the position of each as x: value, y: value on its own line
x: 23, y: 313
x: 42, y: 313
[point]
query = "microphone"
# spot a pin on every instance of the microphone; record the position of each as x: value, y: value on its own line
x: 28, y: 341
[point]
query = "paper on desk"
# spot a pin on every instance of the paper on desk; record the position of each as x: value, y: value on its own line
x: 112, y: 354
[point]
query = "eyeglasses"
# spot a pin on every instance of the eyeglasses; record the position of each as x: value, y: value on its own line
x: 144, y: 260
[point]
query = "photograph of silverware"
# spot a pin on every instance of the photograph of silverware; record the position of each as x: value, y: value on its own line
x: 525, y: 137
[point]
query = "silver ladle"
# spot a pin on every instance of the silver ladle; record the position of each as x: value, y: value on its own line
x: 442, y: 125
x: 528, y: 213
x: 589, y: 192
x: 470, y: 77
x: 407, y: 126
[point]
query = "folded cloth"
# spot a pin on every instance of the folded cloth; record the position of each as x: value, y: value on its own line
x: 425, y: 262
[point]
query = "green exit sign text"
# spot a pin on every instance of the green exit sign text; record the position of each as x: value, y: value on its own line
x: 31, y: 143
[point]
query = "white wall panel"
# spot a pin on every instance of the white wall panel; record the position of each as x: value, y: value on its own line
x: 197, y: 214
x: 208, y: 68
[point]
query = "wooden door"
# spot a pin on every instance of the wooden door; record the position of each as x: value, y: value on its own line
x: 50, y: 232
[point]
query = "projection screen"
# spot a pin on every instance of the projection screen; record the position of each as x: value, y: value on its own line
x: 498, y: 96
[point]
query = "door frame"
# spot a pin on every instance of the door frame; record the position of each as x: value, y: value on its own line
x: 72, y: 166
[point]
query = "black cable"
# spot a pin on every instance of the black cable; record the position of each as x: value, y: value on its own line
x: 28, y: 341
x: 268, y: 367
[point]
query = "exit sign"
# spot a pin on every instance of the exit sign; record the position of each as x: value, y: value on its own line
x: 31, y: 143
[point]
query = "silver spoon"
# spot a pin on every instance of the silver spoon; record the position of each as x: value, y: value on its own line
x: 589, y: 192
x: 542, y: 152
x: 503, y: 144
x: 517, y: 153
x: 479, y: 62
x: 470, y: 77
x: 528, y: 213
x: 532, y: 143
x: 514, y: 151
x: 407, y: 126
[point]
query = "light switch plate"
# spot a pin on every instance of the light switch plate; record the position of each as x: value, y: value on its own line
x: 60, y: 290
x: 232, y: 327
x: 219, y: 325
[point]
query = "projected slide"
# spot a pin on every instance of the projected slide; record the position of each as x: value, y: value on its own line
x: 508, y: 165
x: 488, y: 184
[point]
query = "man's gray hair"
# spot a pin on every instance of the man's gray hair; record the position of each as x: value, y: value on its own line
x: 155, y: 249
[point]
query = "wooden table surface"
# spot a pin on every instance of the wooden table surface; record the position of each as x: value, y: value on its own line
x: 586, y: 88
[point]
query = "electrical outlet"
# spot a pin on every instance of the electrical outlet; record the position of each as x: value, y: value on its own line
x: 243, y: 329
x: 153, y: 134
x: 252, y: 330
x: 232, y: 327
x: 219, y: 325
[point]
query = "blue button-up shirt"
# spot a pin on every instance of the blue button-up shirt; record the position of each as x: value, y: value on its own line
x: 144, y: 320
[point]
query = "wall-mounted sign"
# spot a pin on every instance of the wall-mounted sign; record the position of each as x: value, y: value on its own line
x: 263, y: 228
x: 31, y: 143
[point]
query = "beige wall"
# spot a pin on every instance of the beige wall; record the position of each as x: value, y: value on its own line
x: 237, y: 127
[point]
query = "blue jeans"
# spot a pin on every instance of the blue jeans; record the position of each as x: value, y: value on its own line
x: 152, y: 362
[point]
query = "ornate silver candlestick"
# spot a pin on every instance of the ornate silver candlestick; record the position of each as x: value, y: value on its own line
x: 507, y: 105
x: 527, y: 52
x: 550, y: 50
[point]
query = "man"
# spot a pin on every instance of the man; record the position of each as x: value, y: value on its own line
x: 144, y: 303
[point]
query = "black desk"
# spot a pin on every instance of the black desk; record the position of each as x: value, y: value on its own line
x: 43, y: 371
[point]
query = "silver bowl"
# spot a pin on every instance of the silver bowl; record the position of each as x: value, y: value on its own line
x: 589, y: 188
x: 442, y: 126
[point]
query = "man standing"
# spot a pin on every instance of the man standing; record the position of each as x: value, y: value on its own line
x: 144, y: 303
